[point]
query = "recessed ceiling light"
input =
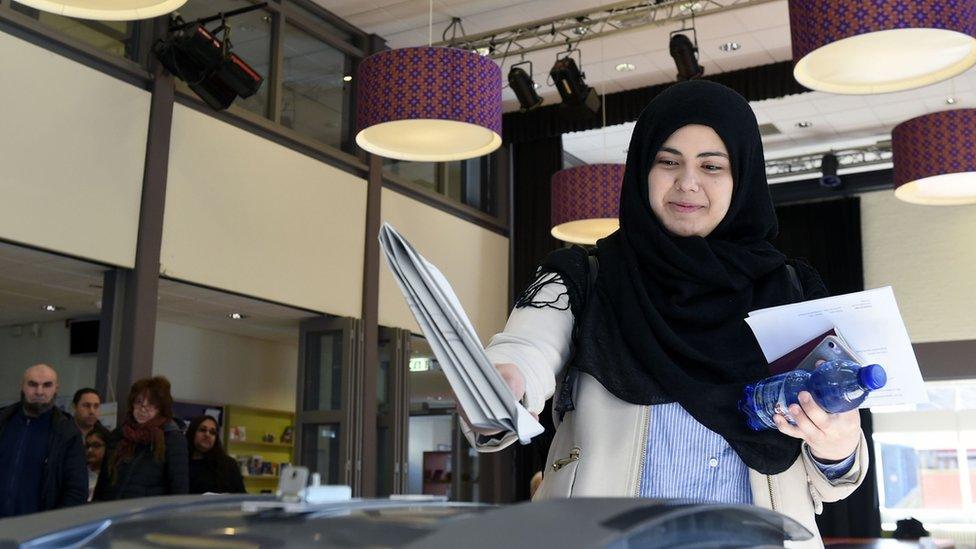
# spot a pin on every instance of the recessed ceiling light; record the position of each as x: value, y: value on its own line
x: 347, y: 78
x: 483, y: 51
x: 690, y: 7
x: 237, y: 316
x: 536, y: 85
x: 804, y: 124
x: 730, y: 46
x: 950, y: 100
x: 52, y: 308
x: 625, y: 67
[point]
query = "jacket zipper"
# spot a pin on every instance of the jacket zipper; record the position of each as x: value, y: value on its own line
x: 769, y: 483
x: 645, y: 420
x: 574, y: 455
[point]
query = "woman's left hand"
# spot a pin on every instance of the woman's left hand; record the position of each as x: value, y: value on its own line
x: 832, y: 437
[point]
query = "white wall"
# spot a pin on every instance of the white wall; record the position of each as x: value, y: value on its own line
x: 474, y: 260
x: 426, y: 433
x: 928, y: 255
x: 248, y: 215
x: 209, y: 366
x: 51, y: 346
x: 72, y: 149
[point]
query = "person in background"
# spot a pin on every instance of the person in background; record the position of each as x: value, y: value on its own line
x: 87, y: 403
x: 211, y: 469
x: 95, y: 442
x: 42, y: 465
x: 146, y: 455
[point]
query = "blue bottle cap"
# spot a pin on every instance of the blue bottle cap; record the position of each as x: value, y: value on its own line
x: 872, y: 377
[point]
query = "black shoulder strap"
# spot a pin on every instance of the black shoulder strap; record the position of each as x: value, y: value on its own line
x: 564, y: 398
x: 794, y: 278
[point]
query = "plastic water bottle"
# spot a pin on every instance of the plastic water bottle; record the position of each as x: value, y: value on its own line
x: 837, y: 386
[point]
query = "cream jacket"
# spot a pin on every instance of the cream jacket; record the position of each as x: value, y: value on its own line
x: 599, y: 448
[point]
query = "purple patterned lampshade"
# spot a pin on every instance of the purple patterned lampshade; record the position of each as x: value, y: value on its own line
x: 879, y: 46
x: 935, y: 158
x: 429, y: 104
x: 586, y: 202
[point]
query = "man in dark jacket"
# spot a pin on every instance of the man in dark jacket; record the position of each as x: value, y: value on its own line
x: 42, y: 459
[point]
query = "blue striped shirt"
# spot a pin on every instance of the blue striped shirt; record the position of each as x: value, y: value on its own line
x: 684, y: 459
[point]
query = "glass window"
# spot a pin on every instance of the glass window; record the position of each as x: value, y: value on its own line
x: 250, y: 37
x: 421, y: 173
x: 320, y: 451
x: 323, y: 390
x: 469, y: 182
x: 319, y: 21
x: 315, y: 98
x: 118, y: 38
x: 920, y: 479
x: 926, y: 456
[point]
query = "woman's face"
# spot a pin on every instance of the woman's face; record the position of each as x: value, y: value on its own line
x: 203, y: 439
x: 690, y: 183
x: 94, y: 451
x: 144, y: 409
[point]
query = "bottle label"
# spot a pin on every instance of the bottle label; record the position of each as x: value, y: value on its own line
x: 769, y: 399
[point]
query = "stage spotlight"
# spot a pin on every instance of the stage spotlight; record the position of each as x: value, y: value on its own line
x: 196, y: 56
x: 573, y: 90
x: 523, y: 86
x: 685, y: 55
x: 828, y: 170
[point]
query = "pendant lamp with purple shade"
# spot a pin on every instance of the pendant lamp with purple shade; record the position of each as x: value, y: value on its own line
x: 880, y: 46
x: 429, y: 104
x: 934, y: 158
x: 585, y: 202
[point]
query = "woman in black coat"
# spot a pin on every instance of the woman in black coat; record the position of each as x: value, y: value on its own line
x: 146, y: 456
x: 211, y: 469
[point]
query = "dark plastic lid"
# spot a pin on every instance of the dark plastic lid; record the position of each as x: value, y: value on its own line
x: 872, y: 377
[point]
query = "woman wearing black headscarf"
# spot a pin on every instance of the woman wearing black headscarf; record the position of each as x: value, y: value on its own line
x: 646, y: 333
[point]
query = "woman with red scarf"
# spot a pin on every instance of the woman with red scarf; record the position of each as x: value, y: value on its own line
x: 146, y: 455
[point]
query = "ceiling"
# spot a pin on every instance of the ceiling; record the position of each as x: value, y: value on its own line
x: 761, y: 30
x: 31, y: 279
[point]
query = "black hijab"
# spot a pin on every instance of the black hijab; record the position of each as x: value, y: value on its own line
x: 664, y: 321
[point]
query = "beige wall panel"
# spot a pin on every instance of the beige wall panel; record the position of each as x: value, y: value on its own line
x: 248, y: 215
x: 72, y: 150
x: 209, y: 366
x: 474, y: 260
x: 927, y: 254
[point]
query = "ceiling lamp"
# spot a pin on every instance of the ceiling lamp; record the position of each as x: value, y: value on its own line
x: 586, y: 202
x: 115, y: 10
x: 429, y: 104
x: 879, y: 46
x: 935, y: 158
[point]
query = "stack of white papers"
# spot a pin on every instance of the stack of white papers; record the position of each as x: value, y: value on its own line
x: 481, y: 392
x: 869, y: 322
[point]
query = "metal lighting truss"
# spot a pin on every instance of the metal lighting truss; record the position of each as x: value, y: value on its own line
x: 575, y: 27
x: 854, y: 157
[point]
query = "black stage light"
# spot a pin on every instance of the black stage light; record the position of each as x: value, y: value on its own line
x: 572, y: 88
x: 685, y: 56
x: 523, y: 86
x: 828, y: 171
x: 195, y: 55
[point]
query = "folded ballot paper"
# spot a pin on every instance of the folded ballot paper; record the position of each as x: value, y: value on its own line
x: 479, y: 388
x: 871, y: 325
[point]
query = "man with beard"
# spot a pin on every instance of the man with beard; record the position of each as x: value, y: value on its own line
x: 42, y: 459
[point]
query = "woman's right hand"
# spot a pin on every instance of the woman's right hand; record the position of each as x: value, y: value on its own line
x: 516, y: 383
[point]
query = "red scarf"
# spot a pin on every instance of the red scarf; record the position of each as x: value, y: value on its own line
x: 134, y: 434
